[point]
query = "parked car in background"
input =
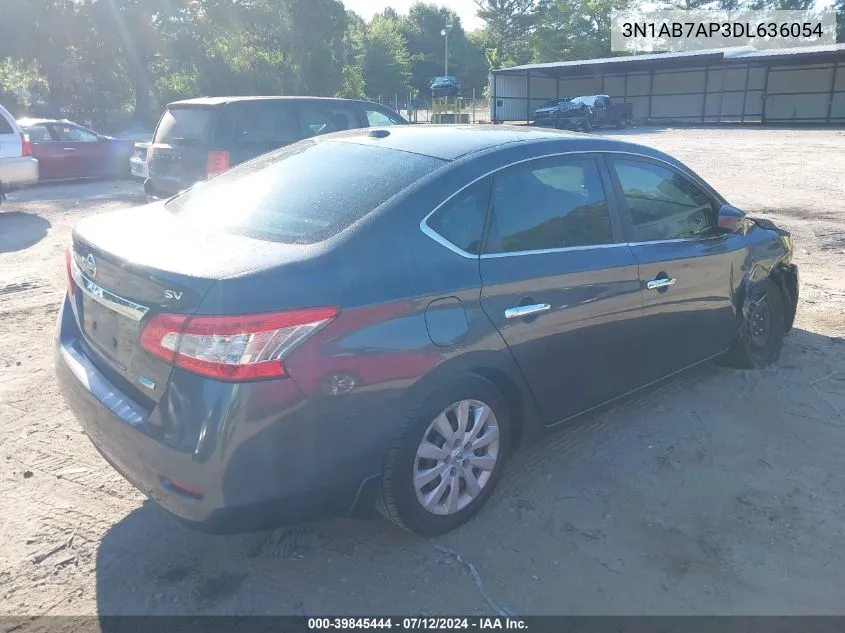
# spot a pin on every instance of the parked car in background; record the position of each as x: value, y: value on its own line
x: 18, y: 167
x: 605, y: 111
x: 445, y: 87
x: 583, y: 113
x: 138, y: 163
x: 564, y: 113
x: 380, y: 317
x: 199, y: 138
x: 66, y: 150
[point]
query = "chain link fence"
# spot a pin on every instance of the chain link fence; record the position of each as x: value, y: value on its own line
x: 474, y: 109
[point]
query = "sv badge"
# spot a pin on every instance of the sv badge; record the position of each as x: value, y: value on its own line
x: 172, y: 294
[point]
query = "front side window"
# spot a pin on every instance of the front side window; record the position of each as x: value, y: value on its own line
x: 461, y: 220
x: 663, y: 204
x: 380, y: 118
x: 549, y: 204
x: 74, y: 134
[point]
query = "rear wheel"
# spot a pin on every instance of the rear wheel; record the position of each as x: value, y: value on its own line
x: 447, y: 458
x: 761, y: 338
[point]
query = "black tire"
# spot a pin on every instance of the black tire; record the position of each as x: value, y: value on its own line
x: 587, y: 125
x: 761, y: 337
x: 398, y: 499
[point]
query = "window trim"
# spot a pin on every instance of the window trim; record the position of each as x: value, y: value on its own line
x: 616, y: 229
x: 625, y: 211
x: 602, y: 158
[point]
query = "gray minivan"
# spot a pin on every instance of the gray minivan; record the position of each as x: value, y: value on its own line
x: 200, y: 138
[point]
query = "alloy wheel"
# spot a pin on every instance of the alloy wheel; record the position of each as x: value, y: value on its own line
x: 456, y: 457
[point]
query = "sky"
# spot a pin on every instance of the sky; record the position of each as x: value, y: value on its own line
x: 466, y: 9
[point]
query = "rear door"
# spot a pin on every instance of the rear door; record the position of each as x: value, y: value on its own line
x: 559, y: 282
x: 688, y: 270
x: 251, y: 128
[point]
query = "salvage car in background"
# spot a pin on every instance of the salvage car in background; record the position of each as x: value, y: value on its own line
x: 445, y: 87
x: 66, y: 150
x: 583, y: 113
x: 243, y: 354
x: 199, y: 138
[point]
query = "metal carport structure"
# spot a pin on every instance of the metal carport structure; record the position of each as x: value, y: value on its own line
x: 732, y: 85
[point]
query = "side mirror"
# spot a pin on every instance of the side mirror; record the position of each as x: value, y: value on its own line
x: 731, y: 219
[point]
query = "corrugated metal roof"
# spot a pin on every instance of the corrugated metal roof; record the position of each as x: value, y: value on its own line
x: 740, y: 52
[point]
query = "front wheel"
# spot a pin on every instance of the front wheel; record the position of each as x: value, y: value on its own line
x: 447, y: 457
x: 761, y: 338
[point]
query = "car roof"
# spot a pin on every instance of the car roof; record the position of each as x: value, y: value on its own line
x: 450, y: 142
x: 33, y: 121
x: 216, y: 101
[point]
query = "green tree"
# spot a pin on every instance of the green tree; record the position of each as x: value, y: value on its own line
x: 385, y: 62
x: 574, y: 29
x: 509, y: 23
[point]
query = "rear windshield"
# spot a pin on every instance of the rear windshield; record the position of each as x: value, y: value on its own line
x: 303, y: 193
x: 182, y: 124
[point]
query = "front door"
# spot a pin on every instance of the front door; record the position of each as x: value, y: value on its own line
x: 560, y: 284
x: 688, y: 270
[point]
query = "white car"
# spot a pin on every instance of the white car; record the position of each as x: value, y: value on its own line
x: 17, y: 166
x: 138, y: 162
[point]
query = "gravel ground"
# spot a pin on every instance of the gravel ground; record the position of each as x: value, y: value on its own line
x: 720, y: 493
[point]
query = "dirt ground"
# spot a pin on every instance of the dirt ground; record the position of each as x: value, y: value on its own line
x: 720, y: 493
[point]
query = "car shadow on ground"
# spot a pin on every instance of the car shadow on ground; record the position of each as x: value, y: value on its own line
x: 718, y: 478
x: 119, y: 191
x: 19, y: 231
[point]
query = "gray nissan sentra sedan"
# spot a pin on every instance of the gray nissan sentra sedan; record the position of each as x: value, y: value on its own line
x: 378, y: 318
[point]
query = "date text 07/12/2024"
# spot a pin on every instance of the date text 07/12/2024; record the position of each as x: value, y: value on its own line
x: 417, y: 623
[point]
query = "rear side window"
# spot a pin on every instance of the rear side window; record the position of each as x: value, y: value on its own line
x: 256, y: 123
x: 5, y: 126
x: 549, y: 204
x: 664, y: 204
x: 461, y: 220
x: 326, y: 117
x: 184, y: 125
x: 303, y: 193
x: 38, y: 134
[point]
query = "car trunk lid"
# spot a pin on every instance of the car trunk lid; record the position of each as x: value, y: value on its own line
x: 130, y: 265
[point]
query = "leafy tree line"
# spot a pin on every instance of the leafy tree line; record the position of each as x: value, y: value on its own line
x: 122, y: 59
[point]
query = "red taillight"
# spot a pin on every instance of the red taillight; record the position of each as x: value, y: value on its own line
x: 68, y: 264
x: 217, y: 163
x: 26, y: 146
x: 245, y: 347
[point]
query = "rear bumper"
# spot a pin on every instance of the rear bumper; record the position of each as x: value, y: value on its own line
x: 251, y: 474
x: 18, y: 172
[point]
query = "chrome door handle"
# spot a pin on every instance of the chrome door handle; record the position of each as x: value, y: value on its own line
x: 657, y: 284
x: 69, y: 149
x: 523, y: 311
